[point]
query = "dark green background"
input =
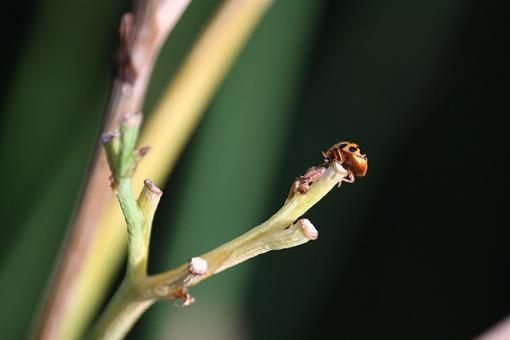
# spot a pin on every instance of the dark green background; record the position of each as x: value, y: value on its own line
x: 416, y: 250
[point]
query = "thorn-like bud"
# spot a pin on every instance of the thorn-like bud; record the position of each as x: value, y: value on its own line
x: 129, y: 129
x: 188, y: 300
x: 123, y: 60
x: 149, y: 198
x: 144, y: 150
x: 108, y: 136
x: 111, y: 143
x: 183, y: 295
x: 308, y: 228
x: 197, y: 266
x: 150, y: 186
x: 126, y: 28
x: 111, y: 182
x: 132, y: 119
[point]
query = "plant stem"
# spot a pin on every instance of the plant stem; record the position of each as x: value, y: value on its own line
x: 137, y: 293
x: 167, y: 131
x: 121, y: 313
x: 127, y: 95
x: 278, y: 232
x: 134, y: 221
x: 127, y: 304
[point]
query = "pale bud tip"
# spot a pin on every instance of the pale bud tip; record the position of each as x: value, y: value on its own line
x: 308, y: 229
x: 197, y: 266
x: 132, y: 119
x: 188, y: 300
x: 108, y: 136
x: 152, y: 187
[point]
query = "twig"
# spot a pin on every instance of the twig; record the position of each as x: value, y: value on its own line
x: 141, y: 36
x: 278, y: 232
x: 138, y: 292
x: 167, y: 131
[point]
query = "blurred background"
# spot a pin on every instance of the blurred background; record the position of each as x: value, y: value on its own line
x: 418, y: 249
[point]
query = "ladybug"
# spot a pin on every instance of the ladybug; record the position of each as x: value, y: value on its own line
x: 350, y: 155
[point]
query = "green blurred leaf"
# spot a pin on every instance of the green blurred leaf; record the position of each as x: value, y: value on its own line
x: 50, y: 123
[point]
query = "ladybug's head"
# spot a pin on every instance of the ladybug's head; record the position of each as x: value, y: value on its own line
x: 355, y: 159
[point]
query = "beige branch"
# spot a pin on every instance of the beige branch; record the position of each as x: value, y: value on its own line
x: 136, y: 294
x: 278, y: 232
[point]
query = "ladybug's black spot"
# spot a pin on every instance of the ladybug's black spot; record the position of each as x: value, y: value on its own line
x: 353, y: 149
x: 343, y: 145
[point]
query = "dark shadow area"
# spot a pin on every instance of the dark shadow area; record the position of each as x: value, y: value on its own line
x: 14, y: 25
x: 418, y: 248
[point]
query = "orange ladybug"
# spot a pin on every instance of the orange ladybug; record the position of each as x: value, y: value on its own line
x: 350, y: 155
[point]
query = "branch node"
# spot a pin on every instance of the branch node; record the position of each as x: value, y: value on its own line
x: 308, y: 228
x: 149, y: 185
x: 126, y: 33
x: 111, y: 143
x: 144, y: 150
x: 303, y: 183
x: 183, y: 295
x: 132, y: 119
x: 149, y: 199
x: 124, y: 62
x: 197, y: 266
x: 108, y: 136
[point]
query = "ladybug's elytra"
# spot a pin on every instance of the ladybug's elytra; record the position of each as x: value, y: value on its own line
x: 351, y: 157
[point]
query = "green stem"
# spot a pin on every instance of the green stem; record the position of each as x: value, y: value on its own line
x: 278, y: 232
x: 129, y: 131
x: 135, y: 221
x: 128, y: 303
x: 138, y: 291
x: 121, y: 313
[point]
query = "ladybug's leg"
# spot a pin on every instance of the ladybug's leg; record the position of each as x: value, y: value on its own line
x: 349, y: 179
x: 327, y: 158
x: 339, y: 156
